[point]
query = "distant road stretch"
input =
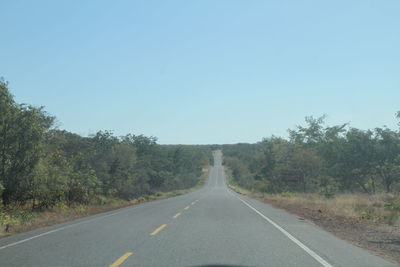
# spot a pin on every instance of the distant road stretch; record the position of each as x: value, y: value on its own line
x: 210, y: 226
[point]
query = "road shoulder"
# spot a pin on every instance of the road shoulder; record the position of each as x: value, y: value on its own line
x: 380, y: 240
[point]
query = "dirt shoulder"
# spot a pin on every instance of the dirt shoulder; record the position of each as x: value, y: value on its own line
x: 380, y: 239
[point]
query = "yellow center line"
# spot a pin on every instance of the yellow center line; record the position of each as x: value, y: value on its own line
x: 187, y: 207
x: 158, y: 229
x: 121, y: 259
x: 177, y: 215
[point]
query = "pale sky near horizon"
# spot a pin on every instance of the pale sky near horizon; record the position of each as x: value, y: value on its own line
x: 201, y: 72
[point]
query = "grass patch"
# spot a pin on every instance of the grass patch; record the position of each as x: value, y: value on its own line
x: 378, y: 208
x: 375, y: 208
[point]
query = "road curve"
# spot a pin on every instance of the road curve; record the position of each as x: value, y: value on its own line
x: 208, y: 227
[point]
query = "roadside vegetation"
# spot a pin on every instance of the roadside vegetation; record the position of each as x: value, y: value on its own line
x: 49, y: 175
x: 344, y: 179
x: 358, y: 171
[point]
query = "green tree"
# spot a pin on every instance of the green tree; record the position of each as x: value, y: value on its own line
x: 22, y: 129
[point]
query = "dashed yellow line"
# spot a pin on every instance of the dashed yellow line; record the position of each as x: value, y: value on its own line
x: 176, y: 215
x: 121, y: 259
x: 158, y: 229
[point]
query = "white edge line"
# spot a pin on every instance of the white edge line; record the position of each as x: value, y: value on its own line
x: 283, y: 231
x: 56, y: 230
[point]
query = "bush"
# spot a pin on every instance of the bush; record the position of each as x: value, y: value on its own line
x: 101, y: 200
x: 366, y: 213
x: 393, y: 205
x: 24, y: 216
x: 7, y: 221
x: 62, y: 206
x: 260, y: 186
x: 286, y: 194
x: 141, y: 199
x: 328, y: 191
x: 394, y: 208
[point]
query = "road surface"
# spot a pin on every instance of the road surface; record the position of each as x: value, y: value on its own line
x: 211, y: 226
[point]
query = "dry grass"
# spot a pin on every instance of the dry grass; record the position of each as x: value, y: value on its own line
x: 355, y: 206
x: 364, y: 220
x: 61, y: 213
x: 373, y: 208
x: 368, y: 221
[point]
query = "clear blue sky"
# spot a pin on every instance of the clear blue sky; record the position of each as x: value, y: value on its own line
x: 197, y: 72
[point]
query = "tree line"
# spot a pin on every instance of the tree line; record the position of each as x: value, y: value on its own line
x: 42, y: 166
x: 317, y: 158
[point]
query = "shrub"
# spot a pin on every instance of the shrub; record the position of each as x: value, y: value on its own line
x: 24, y: 216
x: 141, y: 199
x: 101, y: 200
x: 366, y: 213
x: 393, y: 205
x: 394, y: 211
x: 286, y: 194
x: 7, y: 221
x: 328, y: 191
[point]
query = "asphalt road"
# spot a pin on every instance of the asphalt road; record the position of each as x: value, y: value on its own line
x: 211, y: 226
